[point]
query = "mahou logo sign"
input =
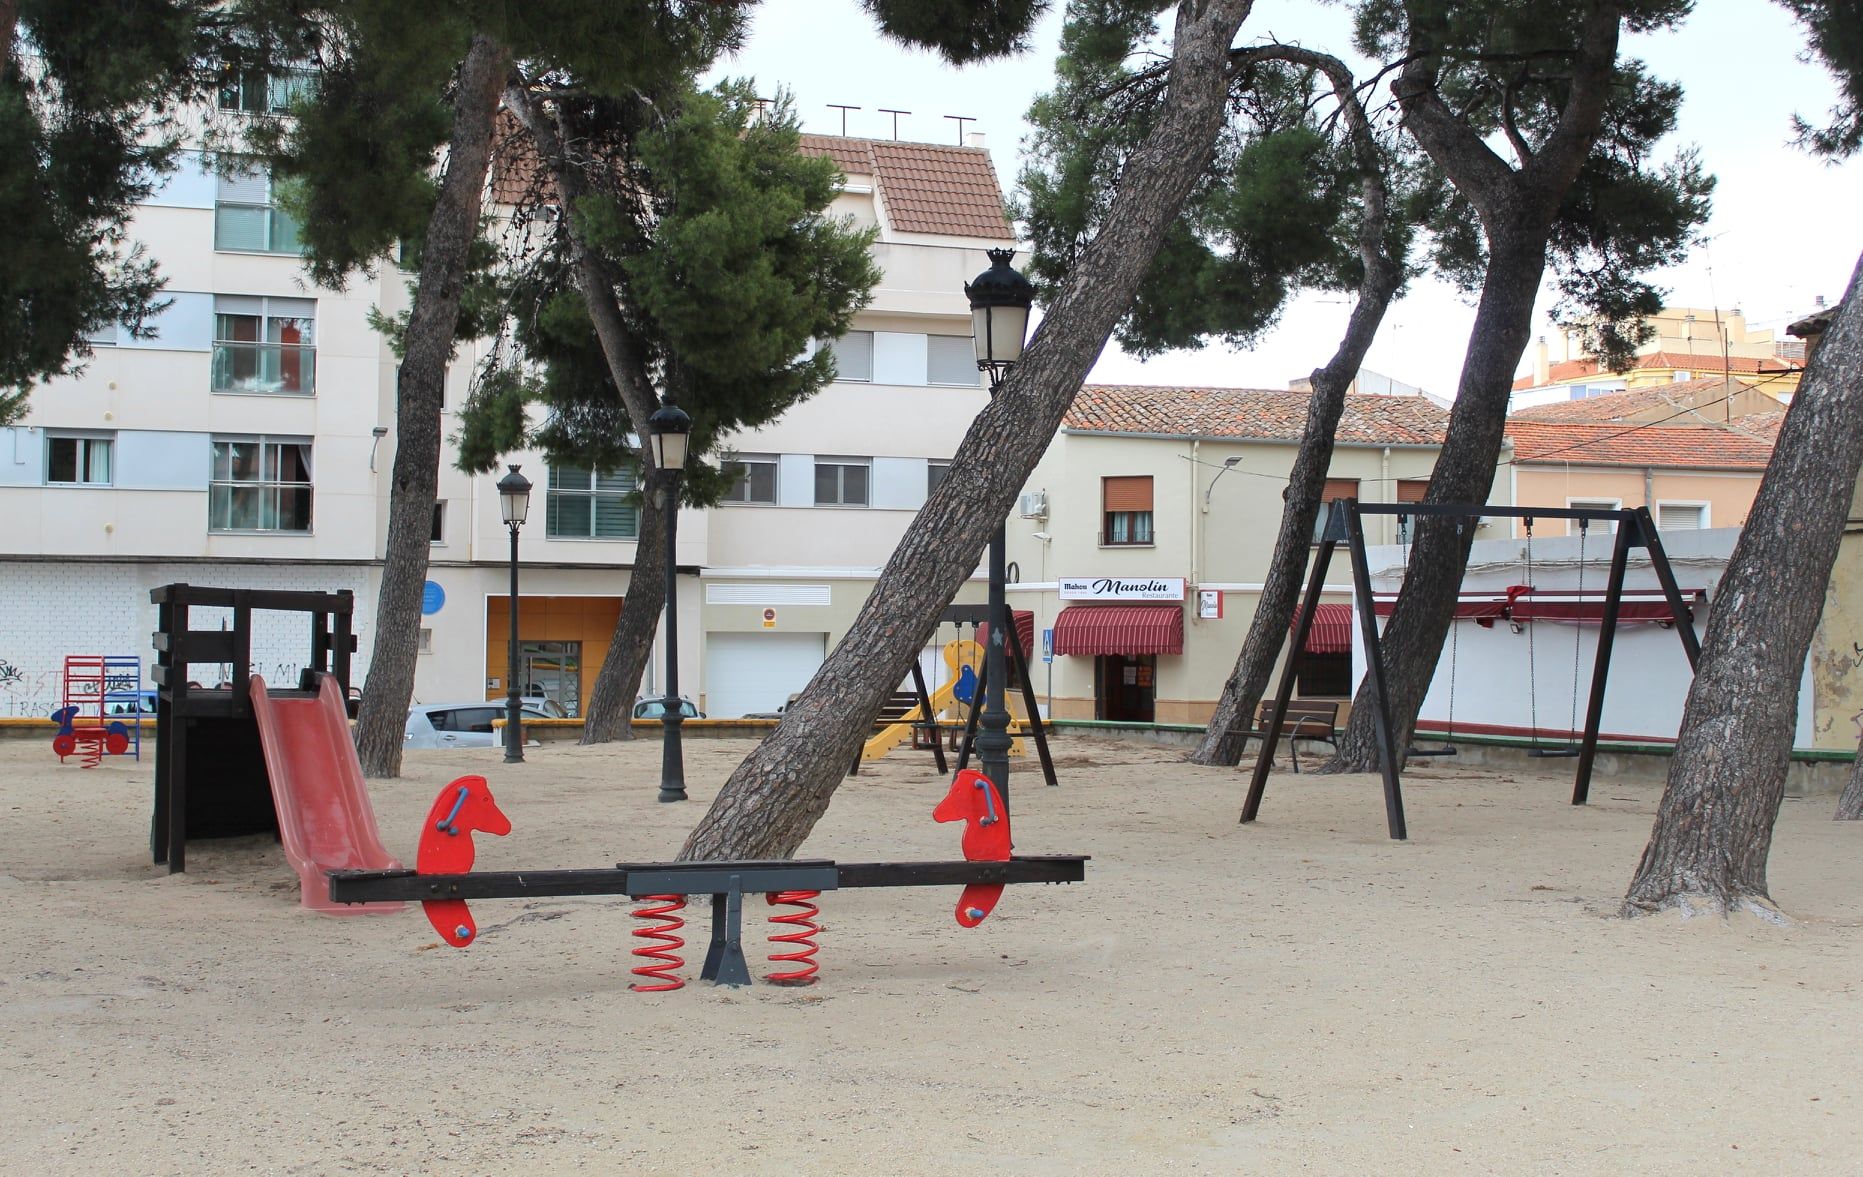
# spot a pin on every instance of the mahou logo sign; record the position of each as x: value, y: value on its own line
x: 1122, y: 588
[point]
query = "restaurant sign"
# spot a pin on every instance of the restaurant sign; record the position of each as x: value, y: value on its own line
x: 1121, y: 588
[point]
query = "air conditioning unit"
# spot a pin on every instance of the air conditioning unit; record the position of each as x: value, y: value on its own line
x: 1033, y: 504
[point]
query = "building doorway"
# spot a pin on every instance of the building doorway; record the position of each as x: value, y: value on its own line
x: 552, y: 670
x: 1125, y: 687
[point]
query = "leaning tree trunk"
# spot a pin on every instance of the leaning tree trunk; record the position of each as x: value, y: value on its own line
x: 781, y: 790
x: 1226, y: 736
x: 419, y: 395
x: 1850, y: 805
x: 1425, y: 608
x: 1517, y: 210
x: 610, y: 711
x: 1714, y: 825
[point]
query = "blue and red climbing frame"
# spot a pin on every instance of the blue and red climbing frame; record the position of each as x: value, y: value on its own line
x: 444, y: 883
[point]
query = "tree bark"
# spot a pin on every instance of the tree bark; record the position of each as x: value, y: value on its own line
x: 1517, y: 208
x: 610, y: 711
x: 1713, y: 828
x: 1226, y: 736
x: 780, y: 791
x: 419, y: 395
x: 1850, y: 805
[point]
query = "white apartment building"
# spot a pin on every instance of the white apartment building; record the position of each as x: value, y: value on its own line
x: 248, y: 443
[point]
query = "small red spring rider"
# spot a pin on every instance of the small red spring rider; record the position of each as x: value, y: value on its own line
x: 973, y: 800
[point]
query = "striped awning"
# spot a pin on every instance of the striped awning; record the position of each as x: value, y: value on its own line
x: 1331, y: 631
x: 1120, y: 629
x: 1025, y: 629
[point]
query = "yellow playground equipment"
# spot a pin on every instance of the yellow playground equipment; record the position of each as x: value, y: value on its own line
x: 949, y: 704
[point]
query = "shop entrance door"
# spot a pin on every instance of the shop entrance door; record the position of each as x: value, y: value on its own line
x: 554, y: 671
x: 1126, y: 687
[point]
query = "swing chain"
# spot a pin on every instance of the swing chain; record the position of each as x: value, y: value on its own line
x: 1533, y: 700
x: 1578, y: 630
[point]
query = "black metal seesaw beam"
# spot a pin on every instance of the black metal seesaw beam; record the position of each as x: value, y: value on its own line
x: 726, y: 882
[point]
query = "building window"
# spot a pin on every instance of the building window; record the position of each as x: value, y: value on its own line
x: 78, y: 460
x: 935, y: 471
x: 754, y: 479
x: 245, y: 218
x: 1409, y: 490
x: 265, y: 345
x: 1126, y: 508
x: 426, y: 641
x: 853, y: 355
x: 951, y: 359
x: 1335, y: 488
x: 257, y: 92
x: 1681, y: 516
x: 586, y: 504
x: 841, y: 482
x: 1607, y: 526
x: 260, y: 484
x: 439, y: 523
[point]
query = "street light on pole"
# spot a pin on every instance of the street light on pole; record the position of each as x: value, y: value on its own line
x: 1000, y: 299
x: 668, y: 431
x: 514, y: 505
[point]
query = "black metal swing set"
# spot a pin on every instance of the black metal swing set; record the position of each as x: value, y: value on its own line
x: 1345, y: 524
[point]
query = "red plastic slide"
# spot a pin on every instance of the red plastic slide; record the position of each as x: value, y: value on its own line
x: 324, y: 817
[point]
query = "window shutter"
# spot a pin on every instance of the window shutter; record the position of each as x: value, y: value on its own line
x: 951, y: 359
x: 1410, y: 490
x: 853, y: 356
x: 1678, y: 517
x: 1127, y: 494
x: 246, y: 187
x: 1342, y: 488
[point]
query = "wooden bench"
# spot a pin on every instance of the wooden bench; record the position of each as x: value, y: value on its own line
x: 1306, y: 719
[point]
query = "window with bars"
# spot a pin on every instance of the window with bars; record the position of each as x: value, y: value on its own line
x: 586, y: 504
x: 260, y: 484
x: 78, y: 459
x: 753, y: 479
x: 1126, y: 511
x: 245, y: 217
x: 841, y: 482
x: 1335, y: 488
x: 258, y: 92
x: 265, y: 345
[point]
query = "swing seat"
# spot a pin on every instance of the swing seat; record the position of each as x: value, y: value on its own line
x: 1445, y: 750
x: 1553, y: 753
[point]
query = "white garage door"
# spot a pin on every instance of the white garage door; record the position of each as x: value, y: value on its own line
x: 750, y: 672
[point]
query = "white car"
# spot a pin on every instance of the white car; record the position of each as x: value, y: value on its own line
x: 458, y: 725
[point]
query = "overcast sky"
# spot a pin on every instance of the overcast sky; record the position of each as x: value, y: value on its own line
x: 1785, y: 228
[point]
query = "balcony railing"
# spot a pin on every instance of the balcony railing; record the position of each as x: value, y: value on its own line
x: 283, y: 369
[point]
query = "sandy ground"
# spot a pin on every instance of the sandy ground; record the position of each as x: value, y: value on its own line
x: 1301, y: 995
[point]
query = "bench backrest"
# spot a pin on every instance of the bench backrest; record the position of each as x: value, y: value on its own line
x: 1310, y: 713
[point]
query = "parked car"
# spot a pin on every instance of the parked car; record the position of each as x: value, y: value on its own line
x: 143, y: 704
x: 548, y: 706
x: 656, y: 709
x: 457, y: 725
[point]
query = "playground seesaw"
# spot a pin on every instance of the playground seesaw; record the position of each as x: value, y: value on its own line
x: 443, y: 883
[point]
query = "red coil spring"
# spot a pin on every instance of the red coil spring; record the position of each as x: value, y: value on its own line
x: 801, y: 935
x: 663, y: 962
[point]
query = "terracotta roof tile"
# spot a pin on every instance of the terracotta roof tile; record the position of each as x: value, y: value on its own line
x: 1677, y: 397
x: 855, y: 156
x: 1260, y: 414
x: 1685, y: 447
x: 948, y: 190
x: 1674, y: 361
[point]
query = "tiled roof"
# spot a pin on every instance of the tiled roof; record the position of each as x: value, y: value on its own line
x: 1707, y: 447
x: 1677, y: 397
x: 1261, y: 414
x: 1566, y: 370
x: 926, y: 187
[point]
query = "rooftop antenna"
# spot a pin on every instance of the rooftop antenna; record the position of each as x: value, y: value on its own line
x: 960, y: 120
x: 843, y: 110
x: 763, y: 108
x: 895, y: 114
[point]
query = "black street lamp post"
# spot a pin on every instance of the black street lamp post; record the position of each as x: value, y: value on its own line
x: 999, y: 310
x: 514, y: 503
x: 668, y: 430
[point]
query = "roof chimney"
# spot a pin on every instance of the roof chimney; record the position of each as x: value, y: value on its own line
x: 1542, y: 364
x: 973, y: 139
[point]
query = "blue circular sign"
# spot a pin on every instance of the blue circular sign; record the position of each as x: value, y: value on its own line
x: 432, y: 598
